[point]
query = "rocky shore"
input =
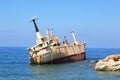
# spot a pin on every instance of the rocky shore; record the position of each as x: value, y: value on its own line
x: 110, y: 63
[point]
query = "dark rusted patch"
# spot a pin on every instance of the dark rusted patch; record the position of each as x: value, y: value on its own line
x: 71, y: 58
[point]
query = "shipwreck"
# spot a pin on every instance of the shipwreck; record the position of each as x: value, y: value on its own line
x: 48, y: 49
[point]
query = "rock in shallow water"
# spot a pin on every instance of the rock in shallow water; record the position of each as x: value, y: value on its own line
x: 110, y: 63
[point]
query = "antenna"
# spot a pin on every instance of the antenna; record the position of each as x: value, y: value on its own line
x: 51, y: 31
x: 47, y: 32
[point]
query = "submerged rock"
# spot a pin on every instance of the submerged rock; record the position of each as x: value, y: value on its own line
x: 110, y: 63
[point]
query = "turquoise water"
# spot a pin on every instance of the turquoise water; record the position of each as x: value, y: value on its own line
x: 14, y: 65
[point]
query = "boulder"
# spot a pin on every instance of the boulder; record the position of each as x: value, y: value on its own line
x: 110, y: 63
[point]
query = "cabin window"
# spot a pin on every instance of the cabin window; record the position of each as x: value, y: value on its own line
x: 42, y: 39
x: 74, y: 43
x: 40, y: 45
x: 51, y: 41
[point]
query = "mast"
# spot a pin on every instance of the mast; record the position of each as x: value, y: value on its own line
x: 36, y: 28
x: 74, y: 38
x: 66, y: 41
x: 38, y: 35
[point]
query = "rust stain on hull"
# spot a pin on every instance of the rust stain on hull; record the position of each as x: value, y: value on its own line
x: 71, y: 58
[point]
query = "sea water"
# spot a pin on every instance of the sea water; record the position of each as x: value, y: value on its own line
x: 15, y: 65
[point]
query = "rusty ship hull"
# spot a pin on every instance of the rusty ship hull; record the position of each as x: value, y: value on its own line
x: 62, y: 54
x: 66, y: 59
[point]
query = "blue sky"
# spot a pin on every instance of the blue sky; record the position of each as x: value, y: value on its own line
x: 96, y: 22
